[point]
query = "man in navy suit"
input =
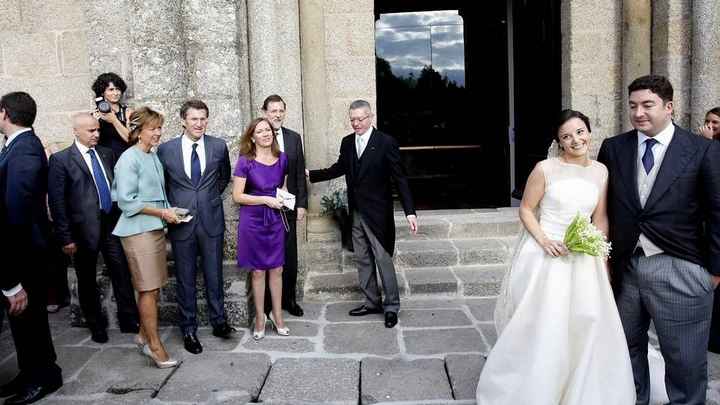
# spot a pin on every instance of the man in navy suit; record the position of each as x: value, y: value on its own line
x: 24, y: 238
x: 370, y: 162
x: 197, y: 170
x: 84, y: 217
x: 290, y: 142
x: 664, y: 211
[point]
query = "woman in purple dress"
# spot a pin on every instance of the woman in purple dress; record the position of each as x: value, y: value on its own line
x: 260, y: 170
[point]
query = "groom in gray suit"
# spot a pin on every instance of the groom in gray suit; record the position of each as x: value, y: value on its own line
x: 197, y: 170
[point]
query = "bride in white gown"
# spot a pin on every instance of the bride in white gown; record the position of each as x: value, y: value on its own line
x: 560, y: 337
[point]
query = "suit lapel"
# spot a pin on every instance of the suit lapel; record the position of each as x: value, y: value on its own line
x: 289, y: 146
x: 676, y: 157
x: 76, y: 156
x: 627, y: 156
x: 105, y: 159
x: 209, y: 152
x: 368, y: 153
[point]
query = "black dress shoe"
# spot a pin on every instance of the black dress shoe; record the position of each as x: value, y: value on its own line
x: 33, y: 393
x: 390, y: 319
x: 294, y: 309
x: 99, y: 335
x: 223, y: 331
x: 363, y: 310
x: 11, y: 388
x: 192, y: 344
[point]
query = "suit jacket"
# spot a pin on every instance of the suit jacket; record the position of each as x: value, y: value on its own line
x: 369, y: 183
x: 24, y: 225
x: 296, y: 167
x: 73, y: 197
x: 203, y: 201
x: 682, y: 213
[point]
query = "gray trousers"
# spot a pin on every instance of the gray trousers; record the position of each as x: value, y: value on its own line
x: 677, y: 296
x: 369, y: 253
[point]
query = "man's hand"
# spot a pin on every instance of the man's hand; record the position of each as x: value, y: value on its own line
x: 300, y: 214
x: 412, y: 220
x: 307, y: 173
x: 715, y: 280
x: 69, y: 249
x: 18, y: 303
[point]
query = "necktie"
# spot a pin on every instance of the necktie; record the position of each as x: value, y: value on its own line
x: 4, y: 148
x: 360, y: 145
x: 101, y: 183
x: 195, y: 166
x: 648, y: 159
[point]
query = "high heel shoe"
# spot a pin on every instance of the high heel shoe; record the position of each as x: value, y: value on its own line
x: 259, y: 334
x: 280, y: 331
x: 169, y: 363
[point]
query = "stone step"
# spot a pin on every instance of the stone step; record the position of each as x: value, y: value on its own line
x: 460, y: 224
x: 454, y: 281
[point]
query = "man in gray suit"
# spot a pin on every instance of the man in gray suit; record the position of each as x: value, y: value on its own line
x: 290, y: 142
x: 197, y: 170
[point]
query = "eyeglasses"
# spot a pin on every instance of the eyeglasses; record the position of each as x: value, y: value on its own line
x: 354, y: 120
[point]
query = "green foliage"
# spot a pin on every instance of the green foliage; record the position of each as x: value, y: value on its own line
x: 334, y: 200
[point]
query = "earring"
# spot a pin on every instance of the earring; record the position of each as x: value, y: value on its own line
x: 253, y: 141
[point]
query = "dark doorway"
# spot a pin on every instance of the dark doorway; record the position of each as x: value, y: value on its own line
x: 443, y: 91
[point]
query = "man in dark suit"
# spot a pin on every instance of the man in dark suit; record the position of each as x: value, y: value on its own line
x: 664, y: 211
x: 197, y: 170
x: 24, y: 238
x: 370, y: 161
x: 84, y: 217
x: 290, y: 142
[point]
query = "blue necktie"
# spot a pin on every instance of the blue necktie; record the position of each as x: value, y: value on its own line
x: 101, y: 183
x: 195, y: 166
x: 648, y: 159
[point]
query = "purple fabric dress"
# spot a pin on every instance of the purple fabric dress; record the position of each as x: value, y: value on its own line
x: 261, y: 233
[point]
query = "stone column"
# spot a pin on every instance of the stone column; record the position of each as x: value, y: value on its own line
x: 636, y: 47
x: 705, y: 56
x: 274, y: 39
x: 591, y: 64
x: 671, y: 39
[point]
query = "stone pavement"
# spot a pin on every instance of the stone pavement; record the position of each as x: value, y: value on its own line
x: 433, y: 356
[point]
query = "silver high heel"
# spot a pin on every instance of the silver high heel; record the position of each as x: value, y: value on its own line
x: 169, y: 363
x: 280, y: 331
x: 259, y: 334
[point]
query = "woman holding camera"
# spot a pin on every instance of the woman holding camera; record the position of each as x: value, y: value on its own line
x: 139, y: 188
x: 112, y: 115
x: 259, y: 172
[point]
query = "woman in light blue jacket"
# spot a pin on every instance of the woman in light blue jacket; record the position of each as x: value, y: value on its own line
x: 139, y: 187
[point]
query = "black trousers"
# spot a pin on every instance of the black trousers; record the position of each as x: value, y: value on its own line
x: 290, y: 269
x: 86, y: 269
x: 30, y: 330
x: 714, y: 341
x: 58, y: 262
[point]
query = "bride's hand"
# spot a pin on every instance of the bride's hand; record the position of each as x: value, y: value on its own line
x: 554, y: 248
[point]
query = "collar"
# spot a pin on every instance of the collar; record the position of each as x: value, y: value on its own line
x: 15, y: 135
x: 366, y: 133
x: 279, y: 132
x: 82, y: 148
x: 188, y: 142
x: 663, y: 138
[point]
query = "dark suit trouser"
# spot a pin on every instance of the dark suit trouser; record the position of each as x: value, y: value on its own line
x: 58, y: 290
x: 30, y: 330
x: 714, y: 342
x: 86, y: 270
x: 290, y: 268
x: 186, y: 252
x: 677, y: 296
x: 369, y: 255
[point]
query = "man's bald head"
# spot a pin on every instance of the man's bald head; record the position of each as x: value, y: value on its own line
x: 86, y: 129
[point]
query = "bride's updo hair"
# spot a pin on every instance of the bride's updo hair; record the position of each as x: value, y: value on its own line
x: 567, y: 115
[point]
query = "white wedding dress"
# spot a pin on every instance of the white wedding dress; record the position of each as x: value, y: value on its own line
x: 560, y: 337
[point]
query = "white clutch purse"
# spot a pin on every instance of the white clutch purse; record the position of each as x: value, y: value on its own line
x: 288, y: 199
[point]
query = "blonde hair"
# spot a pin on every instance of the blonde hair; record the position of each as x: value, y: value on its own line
x: 247, y: 146
x: 141, y: 118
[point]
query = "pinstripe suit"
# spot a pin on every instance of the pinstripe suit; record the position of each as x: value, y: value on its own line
x: 679, y: 214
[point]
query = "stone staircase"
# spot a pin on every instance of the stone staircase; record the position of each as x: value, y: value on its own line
x: 456, y: 253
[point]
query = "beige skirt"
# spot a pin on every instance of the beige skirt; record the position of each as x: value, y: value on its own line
x: 147, y: 259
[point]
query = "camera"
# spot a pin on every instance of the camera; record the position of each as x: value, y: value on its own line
x: 102, y: 105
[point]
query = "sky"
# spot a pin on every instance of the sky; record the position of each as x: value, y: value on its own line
x: 410, y: 41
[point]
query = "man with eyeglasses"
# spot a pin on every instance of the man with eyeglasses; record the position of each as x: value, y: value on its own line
x: 370, y: 162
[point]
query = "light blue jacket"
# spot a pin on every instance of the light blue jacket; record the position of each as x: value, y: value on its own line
x: 139, y: 182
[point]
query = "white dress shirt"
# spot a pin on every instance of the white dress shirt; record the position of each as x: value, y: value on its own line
x: 11, y: 292
x: 187, y: 144
x: 365, y: 138
x: 280, y: 139
x: 645, y: 181
x: 88, y: 162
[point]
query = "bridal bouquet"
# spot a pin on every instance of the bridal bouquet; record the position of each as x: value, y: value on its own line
x: 582, y: 236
